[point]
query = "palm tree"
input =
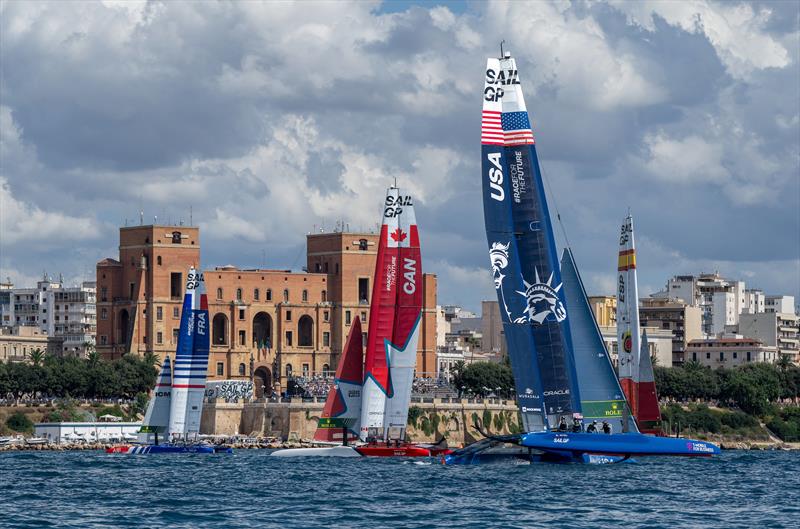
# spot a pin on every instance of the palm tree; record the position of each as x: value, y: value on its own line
x: 37, y: 356
x: 151, y: 359
x: 784, y: 362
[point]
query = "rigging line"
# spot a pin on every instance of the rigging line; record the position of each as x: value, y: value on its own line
x: 555, y: 204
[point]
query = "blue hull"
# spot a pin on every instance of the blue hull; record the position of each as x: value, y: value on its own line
x: 586, y: 448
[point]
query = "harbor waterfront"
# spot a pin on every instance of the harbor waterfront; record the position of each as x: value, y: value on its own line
x: 247, y: 489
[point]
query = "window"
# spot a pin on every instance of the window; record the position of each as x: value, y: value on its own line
x: 255, y: 294
x: 285, y: 295
x: 158, y: 260
x: 288, y: 370
x: 337, y: 269
x: 238, y: 294
x: 289, y: 338
x: 363, y: 316
x: 325, y: 267
x: 708, y: 356
x: 694, y: 357
x: 721, y: 356
x: 748, y: 356
x: 175, y: 285
x: 735, y: 354
x: 364, y: 338
x: 103, y: 339
x: 104, y: 314
x: 219, y: 293
x: 305, y: 331
x: 305, y: 295
x: 326, y: 315
x: 347, y: 317
x: 241, y: 338
x: 220, y: 369
x: 363, y: 289
x: 131, y: 290
x: 176, y: 312
x: 363, y: 245
x: 324, y: 296
x: 288, y: 315
x: 175, y: 336
x: 159, y: 337
x: 242, y: 371
x: 305, y: 370
x: 269, y: 294
x: 326, y: 339
x: 104, y: 294
x: 159, y: 313
x: 326, y: 370
x: 176, y: 237
x: 241, y: 314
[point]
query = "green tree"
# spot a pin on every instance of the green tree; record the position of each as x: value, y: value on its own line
x: 37, y: 357
x: 19, y: 422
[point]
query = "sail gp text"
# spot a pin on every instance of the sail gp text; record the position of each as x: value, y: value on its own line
x: 503, y: 78
x: 394, y: 205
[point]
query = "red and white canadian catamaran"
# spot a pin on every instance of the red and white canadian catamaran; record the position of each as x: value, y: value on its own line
x: 367, y: 408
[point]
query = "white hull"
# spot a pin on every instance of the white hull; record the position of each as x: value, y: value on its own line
x: 328, y: 451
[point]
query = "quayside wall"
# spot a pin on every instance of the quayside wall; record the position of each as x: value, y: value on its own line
x: 296, y: 419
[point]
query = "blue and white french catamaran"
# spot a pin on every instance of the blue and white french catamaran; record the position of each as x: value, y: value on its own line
x: 565, y: 381
x: 172, y: 420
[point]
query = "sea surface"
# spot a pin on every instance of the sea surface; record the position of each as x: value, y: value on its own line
x: 251, y: 489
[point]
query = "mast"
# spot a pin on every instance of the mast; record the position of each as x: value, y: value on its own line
x: 522, y: 252
x: 628, y: 332
x: 381, y: 323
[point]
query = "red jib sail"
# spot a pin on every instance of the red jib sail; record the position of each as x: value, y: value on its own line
x: 342, y: 411
x: 648, y: 414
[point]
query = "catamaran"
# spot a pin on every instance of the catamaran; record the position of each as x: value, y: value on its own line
x: 635, y: 365
x: 367, y: 407
x: 176, y: 406
x: 565, y: 381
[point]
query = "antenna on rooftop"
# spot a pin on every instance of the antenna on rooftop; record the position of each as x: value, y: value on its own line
x: 190, y: 216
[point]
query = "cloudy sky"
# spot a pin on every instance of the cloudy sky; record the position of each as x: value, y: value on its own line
x: 271, y: 120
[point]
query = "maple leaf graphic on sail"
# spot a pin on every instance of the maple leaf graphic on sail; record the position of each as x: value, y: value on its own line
x: 399, y: 235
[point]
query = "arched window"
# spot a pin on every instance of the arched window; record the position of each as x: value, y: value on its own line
x: 238, y: 294
x: 324, y: 296
x: 305, y: 295
x: 325, y: 370
x: 219, y: 293
x: 285, y: 295
x: 158, y: 260
x: 219, y: 331
x: 305, y: 331
x: 288, y: 370
x: 269, y: 294
x: 262, y: 330
x: 241, y: 370
x: 255, y: 294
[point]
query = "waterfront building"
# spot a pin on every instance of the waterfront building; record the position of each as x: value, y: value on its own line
x: 87, y: 432
x: 17, y: 343
x: 782, y: 304
x: 721, y: 300
x: 774, y: 329
x: 754, y: 301
x: 604, y: 309
x: 730, y: 351
x: 493, y: 339
x: 266, y: 325
x: 674, y: 315
x: 67, y: 314
x: 5, y: 304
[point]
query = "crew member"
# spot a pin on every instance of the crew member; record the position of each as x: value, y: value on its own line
x: 577, y: 425
x: 606, y: 427
x: 562, y: 424
x: 592, y: 428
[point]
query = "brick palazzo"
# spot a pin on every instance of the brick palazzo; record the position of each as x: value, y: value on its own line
x: 260, y: 319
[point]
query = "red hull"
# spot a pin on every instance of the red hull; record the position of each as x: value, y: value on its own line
x: 393, y: 451
x: 119, y: 449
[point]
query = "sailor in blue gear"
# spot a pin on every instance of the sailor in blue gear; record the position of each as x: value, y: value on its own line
x: 606, y: 427
x: 592, y: 428
x: 562, y: 424
x: 577, y: 425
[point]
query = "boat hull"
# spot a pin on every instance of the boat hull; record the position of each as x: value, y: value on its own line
x: 362, y: 451
x: 586, y: 448
x: 169, y: 449
x: 393, y: 451
x: 327, y: 451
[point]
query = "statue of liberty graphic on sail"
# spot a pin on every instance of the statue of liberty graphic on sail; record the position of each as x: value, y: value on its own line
x: 541, y: 298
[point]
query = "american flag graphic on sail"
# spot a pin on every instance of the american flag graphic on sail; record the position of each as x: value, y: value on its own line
x: 505, y: 128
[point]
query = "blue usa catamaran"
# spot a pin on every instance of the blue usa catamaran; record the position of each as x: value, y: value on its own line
x: 562, y: 370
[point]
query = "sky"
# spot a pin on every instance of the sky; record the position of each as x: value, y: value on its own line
x: 272, y: 120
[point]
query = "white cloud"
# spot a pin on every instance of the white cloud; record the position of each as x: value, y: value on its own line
x: 736, y: 30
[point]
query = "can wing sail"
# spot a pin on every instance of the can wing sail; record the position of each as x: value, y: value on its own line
x: 342, y: 411
x: 522, y: 252
x: 381, y: 324
x: 402, y: 350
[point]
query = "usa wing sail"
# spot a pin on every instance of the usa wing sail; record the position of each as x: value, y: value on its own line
x: 523, y: 256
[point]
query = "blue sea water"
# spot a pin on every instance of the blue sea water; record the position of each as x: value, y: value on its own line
x: 250, y: 489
